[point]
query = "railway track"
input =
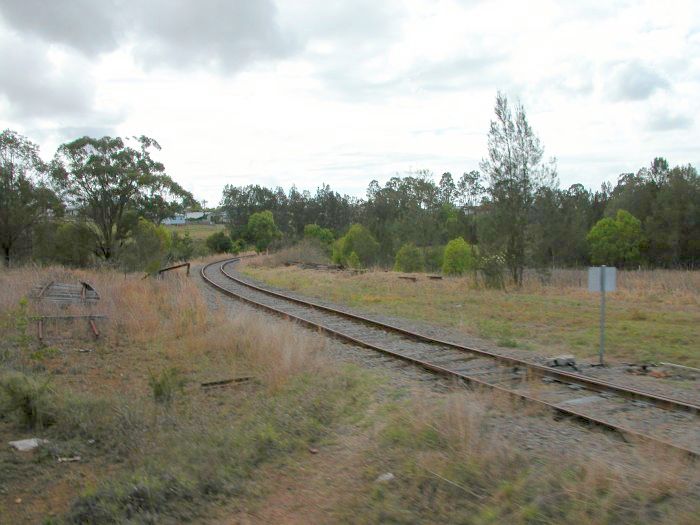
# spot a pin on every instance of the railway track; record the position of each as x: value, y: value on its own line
x: 636, y: 415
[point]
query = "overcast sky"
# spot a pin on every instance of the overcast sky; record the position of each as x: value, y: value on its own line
x: 342, y: 92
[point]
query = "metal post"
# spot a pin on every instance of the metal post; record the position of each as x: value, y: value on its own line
x: 602, y: 314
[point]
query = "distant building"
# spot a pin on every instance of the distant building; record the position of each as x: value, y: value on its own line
x: 195, y: 215
x: 175, y: 220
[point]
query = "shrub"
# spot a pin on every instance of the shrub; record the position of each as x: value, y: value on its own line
x: 262, y: 230
x: 166, y: 385
x: 31, y: 399
x: 458, y: 258
x: 616, y: 241
x: 353, y: 261
x: 409, y: 258
x: 434, y: 257
x: 492, y: 268
x: 219, y: 242
x: 323, y: 235
x: 358, y: 240
x: 147, y: 248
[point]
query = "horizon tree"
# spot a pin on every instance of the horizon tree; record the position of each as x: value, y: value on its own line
x: 106, y: 178
x: 24, y: 198
x: 514, y: 171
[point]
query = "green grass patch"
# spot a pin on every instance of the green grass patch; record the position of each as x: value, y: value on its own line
x: 639, y: 327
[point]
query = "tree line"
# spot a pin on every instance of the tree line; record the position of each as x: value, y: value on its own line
x: 96, y: 199
x: 104, y: 199
x: 511, y: 210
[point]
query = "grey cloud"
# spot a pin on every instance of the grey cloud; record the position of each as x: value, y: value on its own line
x: 35, y: 88
x: 225, y: 34
x: 86, y: 25
x: 635, y: 81
x: 667, y: 121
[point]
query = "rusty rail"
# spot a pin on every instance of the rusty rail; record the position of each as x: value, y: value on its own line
x: 596, y: 385
x: 175, y: 267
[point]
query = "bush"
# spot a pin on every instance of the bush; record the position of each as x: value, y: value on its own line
x: 323, y: 235
x: 434, y: 257
x: 616, y: 241
x: 219, y: 242
x: 459, y: 257
x: 70, y: 243
x: 358, y: 240
x: 147, y: 248
x: 353, y: 261
x: 262, y: 230
x: 492, y: 268
x: 31, y: 399
x: 409, y: 258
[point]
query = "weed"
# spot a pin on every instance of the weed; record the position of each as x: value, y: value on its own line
x: 166, y: 385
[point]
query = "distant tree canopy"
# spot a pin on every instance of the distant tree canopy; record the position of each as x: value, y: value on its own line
x: 511, y: 212
x: 357, y: 247
x: 409, y: 258
x: 25, y: 201
x: 262, y: 230
x: 111, y: 181
x: 616, y: 242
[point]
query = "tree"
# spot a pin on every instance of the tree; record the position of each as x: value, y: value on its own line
x: 24, y: 200
x: 323, y: 235
x: 70, y: 243
x: 459, y: 257
x: 103, y: 178
x: 147, y: 247
x: 616, y: 241
x: 515, y: 171
x: 262, y: 230
x: 219, y: 242
x: 409, y: 259
x: 358, y: 240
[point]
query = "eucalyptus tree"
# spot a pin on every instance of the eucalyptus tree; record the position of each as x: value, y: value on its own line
x: 24, y: 198
x: 103, y: 179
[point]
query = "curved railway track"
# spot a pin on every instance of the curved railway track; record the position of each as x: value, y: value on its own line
x: 634, y: 414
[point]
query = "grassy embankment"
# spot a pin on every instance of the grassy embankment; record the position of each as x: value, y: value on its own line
x: 155, y: 448
x: 654, y: 316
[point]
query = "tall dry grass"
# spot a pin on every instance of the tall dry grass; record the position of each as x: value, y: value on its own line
x: 450, y: 461
x: 137, y: 309
x: 683, y: 284
x: 306, y: 251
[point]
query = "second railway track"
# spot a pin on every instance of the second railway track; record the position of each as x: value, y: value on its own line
x: 636, y: 415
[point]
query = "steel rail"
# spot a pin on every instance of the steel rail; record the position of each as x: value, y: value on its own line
x: 562, y: 411
x: 563, y: 376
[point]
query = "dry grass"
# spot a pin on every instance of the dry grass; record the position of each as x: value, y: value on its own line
x: 203, y: 444
x: 306, y: 251
x: 197, y: 231
x: 654, y: 316
x: 680, y: 287
x: 137, y: 309
x: 451, y: 461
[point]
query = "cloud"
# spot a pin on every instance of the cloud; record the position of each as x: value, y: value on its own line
x: 222, y: 34
x: 85, y: 25
x: 37, y: 88
x: 666, y: 121
x: 634, y: 80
